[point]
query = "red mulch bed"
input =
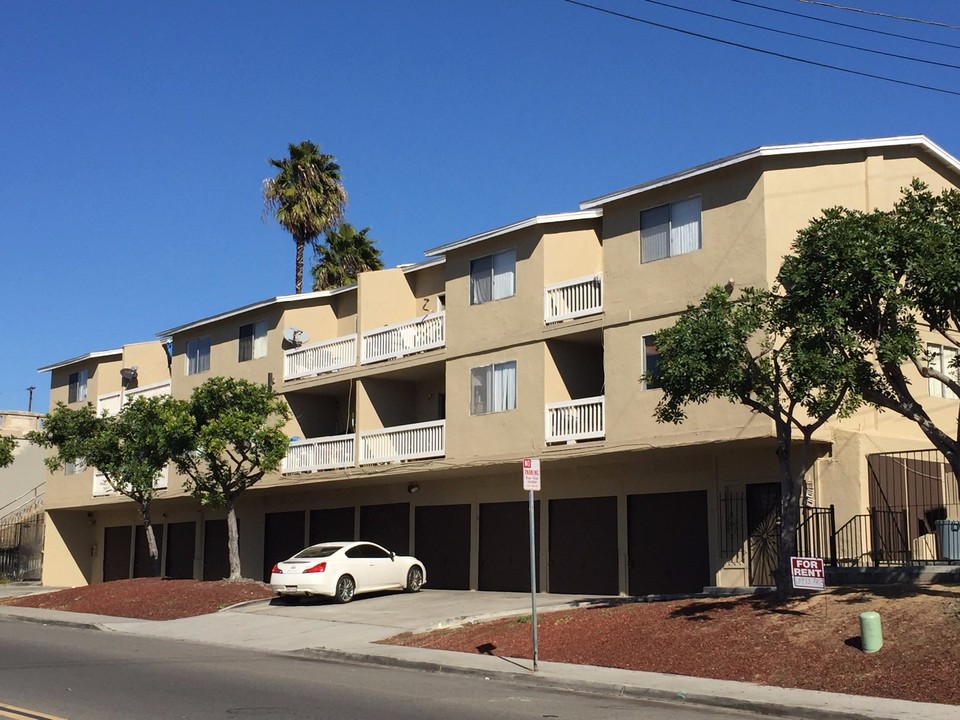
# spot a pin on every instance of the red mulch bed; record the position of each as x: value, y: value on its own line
x: 148, y: 598
x: 809, y: 643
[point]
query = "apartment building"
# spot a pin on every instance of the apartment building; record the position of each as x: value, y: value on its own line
x: 416, y: 394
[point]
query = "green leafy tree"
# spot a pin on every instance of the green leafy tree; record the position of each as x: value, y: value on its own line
x: 306, y: 196
x: 237, y: 437
x: 7, y: 447
x: 740, y: 351
x: 130, y: 448
x: 892, y: 279
x: 345, y: 253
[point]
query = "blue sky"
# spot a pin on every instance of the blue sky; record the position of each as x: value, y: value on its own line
x: 135, y: 136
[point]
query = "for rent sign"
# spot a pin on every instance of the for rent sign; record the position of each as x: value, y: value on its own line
x: 807, y: 573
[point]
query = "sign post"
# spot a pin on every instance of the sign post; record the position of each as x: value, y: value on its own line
x: 531, y: 483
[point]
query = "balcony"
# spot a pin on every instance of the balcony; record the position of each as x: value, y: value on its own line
x: 101, y: 488
x: 404, y: 338
x: 402, y: 442
x: 573, y: 298
x: 573, y: 420
x: 326, y: 453
x: 321, y: 357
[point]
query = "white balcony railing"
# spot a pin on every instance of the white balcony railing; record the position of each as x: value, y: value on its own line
x: 321, y: 357
x: 573, y: 420
x: 101, y: 488
x: 573, y: 298
x: 325, y: 453
x: 403, y: 442
x: 404, y: 338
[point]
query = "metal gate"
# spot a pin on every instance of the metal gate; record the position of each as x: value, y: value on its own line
x: 21, y: 549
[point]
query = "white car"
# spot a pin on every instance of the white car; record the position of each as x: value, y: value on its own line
x: 342, y: 569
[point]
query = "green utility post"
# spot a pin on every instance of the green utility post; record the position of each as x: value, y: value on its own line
x: 871, y: 635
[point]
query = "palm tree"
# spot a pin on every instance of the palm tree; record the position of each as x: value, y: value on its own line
x: 306, y: 196
x: 346, y: 253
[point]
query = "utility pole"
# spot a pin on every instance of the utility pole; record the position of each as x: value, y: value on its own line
x: 30, y: 399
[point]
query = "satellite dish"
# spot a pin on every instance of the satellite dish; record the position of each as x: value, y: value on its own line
x: 295, y: 336
x: 129, y: 374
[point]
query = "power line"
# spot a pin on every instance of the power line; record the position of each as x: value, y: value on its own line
x: 801, y: 36
x: 771, y: 53
x: 847, y: 25
x: 881, y: 14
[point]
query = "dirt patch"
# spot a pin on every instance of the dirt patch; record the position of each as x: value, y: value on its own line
x: 810, y: 643
x: 148, y: 598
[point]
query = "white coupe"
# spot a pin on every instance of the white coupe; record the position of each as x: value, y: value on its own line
x: 343, y: 569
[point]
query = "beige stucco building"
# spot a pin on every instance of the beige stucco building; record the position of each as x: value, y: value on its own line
x: 417, y: 393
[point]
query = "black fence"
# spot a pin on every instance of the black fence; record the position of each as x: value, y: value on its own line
x: 21, y: 548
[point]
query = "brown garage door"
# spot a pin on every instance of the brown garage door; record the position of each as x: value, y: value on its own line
x: 141, y: 552
x: 442, y: 542
x: 116, y: 553
x: 387, y: 525
x: 331, y: 524
x: 283, y: 536
x: 583, y: 546
x: 181, y: 545
x: 505, y: 546
x: 668, y: 543
x: 216, y: 560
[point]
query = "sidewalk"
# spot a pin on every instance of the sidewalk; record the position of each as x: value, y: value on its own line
x: 350, y: 633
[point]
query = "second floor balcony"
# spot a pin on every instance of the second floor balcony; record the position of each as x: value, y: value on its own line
x: 321, y: 357
x: 575, y: 298
x: 573, y: 420
x: 404, y: 338
x: 393, y: 444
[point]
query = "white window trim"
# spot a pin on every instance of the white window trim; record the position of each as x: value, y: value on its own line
x: 491, y: 378
x: 199, y: 370
x: 940, y: 356
x: 494, y: 294
x: 670, y: 227
x: 259, y: 339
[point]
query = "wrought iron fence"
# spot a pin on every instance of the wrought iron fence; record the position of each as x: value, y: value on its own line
x: 21, y: 548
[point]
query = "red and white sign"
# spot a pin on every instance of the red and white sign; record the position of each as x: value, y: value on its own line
x: 807, y: 573
x: 531, y: 473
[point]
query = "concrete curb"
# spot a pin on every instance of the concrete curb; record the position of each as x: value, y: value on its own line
x: 47, y: 621
x: 589, y: 687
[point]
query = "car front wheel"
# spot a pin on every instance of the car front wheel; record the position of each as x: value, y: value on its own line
x: 414, y: 579
x: 346, y: 587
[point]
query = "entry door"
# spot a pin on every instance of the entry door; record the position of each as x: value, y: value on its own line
x: 763, y: 525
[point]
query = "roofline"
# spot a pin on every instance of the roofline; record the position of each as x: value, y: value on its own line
x: 582, y: 214
x: 81, y: 358
x: 413, y: 267
x: 921, y: 141
x: 279, y: 300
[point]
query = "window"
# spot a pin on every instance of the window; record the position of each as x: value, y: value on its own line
x: 253, y: 341
x: 942, y: 358
x: 670, y: 230
x: 198, y: 355
x: 493, y: 388
x: 74, y: 468
x: 78, y: 387
x: 651, y: 361
x: 493, y: 277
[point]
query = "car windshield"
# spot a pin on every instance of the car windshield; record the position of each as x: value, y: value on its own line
x: 318, y: 551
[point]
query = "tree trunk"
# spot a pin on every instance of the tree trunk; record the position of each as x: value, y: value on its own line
x: 789, y: 514
x: 233, y: 542
x: 299, y: 270
x: 151, y: 541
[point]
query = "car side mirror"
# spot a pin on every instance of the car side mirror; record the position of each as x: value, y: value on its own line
x: 392, y: 555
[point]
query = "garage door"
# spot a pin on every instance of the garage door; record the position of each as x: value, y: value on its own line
x: 216, y: 560
x: 141, y: 552
x: 505, y: 546
x: 387, y: 525
x: 442, y: 542
x: 116, y: 553
x: 668, y: 543
x: 583, y: 546
x: 181, y: 545
x: 283, y: 535
x: 331, y: 524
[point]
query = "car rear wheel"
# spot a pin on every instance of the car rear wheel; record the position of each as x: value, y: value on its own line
x: 414, y: 579
x: 346, y: 587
